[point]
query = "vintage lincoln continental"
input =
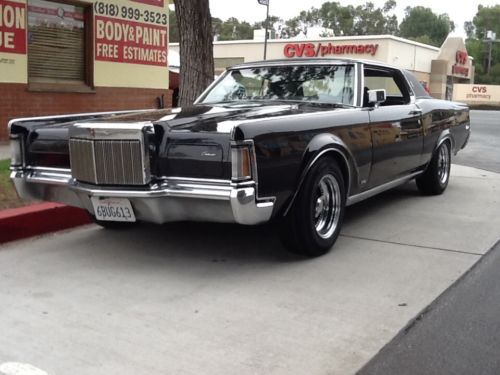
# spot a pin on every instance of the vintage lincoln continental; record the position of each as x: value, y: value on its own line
x: 292, y: 141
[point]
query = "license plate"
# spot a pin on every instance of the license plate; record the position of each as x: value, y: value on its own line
x: 113, y: 209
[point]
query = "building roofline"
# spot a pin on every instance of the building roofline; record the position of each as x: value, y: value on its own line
x: 331, y: 39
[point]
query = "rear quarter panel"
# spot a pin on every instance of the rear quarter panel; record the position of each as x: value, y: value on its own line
x: 440, y: 117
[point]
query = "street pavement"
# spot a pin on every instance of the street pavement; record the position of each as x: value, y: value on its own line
x: 483, y: 150
x: 221, y: 299
x: 457, y: 334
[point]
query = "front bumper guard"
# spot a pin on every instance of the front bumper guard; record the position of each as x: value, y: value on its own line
x: 169, y: 199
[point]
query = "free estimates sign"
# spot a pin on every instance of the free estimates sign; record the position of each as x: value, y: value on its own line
x: 131, y: 43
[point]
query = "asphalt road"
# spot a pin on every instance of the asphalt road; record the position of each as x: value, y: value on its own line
x: 458, y: 334
x: 483, y: 150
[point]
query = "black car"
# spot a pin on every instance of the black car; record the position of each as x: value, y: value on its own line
x: 290, y: 141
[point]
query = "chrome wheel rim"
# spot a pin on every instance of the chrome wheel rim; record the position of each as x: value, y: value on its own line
x: 443, y: 163
x: 327, y: 206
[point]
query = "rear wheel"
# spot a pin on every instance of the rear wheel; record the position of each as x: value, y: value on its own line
x: 313, y: 223
x: 437, y: 175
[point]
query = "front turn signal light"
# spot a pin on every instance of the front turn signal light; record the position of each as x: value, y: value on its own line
x: 241, y: 163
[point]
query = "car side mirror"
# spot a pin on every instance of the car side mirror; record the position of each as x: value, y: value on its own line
x: 376, y: 97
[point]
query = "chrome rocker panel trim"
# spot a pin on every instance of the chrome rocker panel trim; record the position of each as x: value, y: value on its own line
x: 169, y: 200
x: 353, y: 199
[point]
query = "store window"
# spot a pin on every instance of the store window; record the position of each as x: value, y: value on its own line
x: 57, y: 45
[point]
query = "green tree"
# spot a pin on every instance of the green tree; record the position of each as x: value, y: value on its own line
x: 232, y: 29
x: 420, y: 21
x: 375, y: 21
x: 487, y: 18
x: 347, y: 20
x: 470, y: 29
x: 274, y: 21
x: 338, y: 18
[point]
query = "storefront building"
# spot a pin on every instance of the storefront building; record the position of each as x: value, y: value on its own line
x: 437, y: 68
x: 69, y: 57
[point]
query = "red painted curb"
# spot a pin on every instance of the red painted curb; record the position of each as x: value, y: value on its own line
x: 29, y: 221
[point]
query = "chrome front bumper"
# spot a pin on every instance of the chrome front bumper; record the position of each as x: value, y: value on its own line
x: 171, y: 199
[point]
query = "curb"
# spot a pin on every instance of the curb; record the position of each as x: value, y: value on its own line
x: 37, y: 219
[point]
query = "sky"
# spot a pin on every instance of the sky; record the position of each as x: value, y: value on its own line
x: 251, y: 11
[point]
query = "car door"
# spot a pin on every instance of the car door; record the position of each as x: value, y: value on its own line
x: 395, y: 126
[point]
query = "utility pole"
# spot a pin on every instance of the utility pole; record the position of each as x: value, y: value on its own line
x: 266, y: 3
x: 490, y: 39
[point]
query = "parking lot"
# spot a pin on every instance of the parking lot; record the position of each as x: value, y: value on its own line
x: 218, y: 299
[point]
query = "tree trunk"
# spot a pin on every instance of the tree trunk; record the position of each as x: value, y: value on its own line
x: 196, y: 49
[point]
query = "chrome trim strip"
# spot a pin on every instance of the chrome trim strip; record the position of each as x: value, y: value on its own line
x: 75, y: 115
x: 48, y: 169
x: 445, y: 135
x: 178, y: 190
x: 379, y: 189
x: 349, y: 172
x: 195, y: 180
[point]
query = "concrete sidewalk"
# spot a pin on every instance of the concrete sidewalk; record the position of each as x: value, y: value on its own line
x: 216, y: 299
x: 4, y: 151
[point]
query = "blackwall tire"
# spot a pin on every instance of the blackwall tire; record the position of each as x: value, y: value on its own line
x: 436, y: 177
x: 313, y: 224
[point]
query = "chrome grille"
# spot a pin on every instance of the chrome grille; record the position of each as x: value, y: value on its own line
x: 108, y: 162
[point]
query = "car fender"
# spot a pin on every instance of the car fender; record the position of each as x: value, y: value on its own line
x: 444, y: 136
x: 323, y: 145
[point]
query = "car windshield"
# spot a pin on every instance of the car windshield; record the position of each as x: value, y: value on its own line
x: 325, y: 84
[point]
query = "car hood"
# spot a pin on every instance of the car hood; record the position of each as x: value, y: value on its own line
x: 220, y: 118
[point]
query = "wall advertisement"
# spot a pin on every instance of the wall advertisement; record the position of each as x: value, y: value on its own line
x: 130, y: 38
x: 12, y: 27
x: 477, y: 94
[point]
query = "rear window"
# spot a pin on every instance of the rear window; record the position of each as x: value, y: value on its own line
x: 416, y: 86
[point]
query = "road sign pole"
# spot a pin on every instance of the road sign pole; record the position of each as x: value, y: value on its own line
x: 267, y: 31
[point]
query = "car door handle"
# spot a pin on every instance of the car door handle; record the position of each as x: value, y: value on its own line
x: 415, y: 112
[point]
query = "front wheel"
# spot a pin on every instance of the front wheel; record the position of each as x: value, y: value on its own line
x: 437, y: 175
x: 312, y: 225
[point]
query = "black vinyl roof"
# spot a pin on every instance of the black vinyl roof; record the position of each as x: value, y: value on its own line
x: 309, y: 61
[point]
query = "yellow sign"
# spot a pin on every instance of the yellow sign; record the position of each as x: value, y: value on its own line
x: 130, y: 45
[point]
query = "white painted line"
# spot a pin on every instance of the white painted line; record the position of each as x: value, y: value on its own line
x: 14, y: 368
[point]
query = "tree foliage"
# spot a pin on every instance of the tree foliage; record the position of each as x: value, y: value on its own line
x: 486, y: 18
x: 420, y: 22
x: 346, y: 19
x: 231, y: 29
